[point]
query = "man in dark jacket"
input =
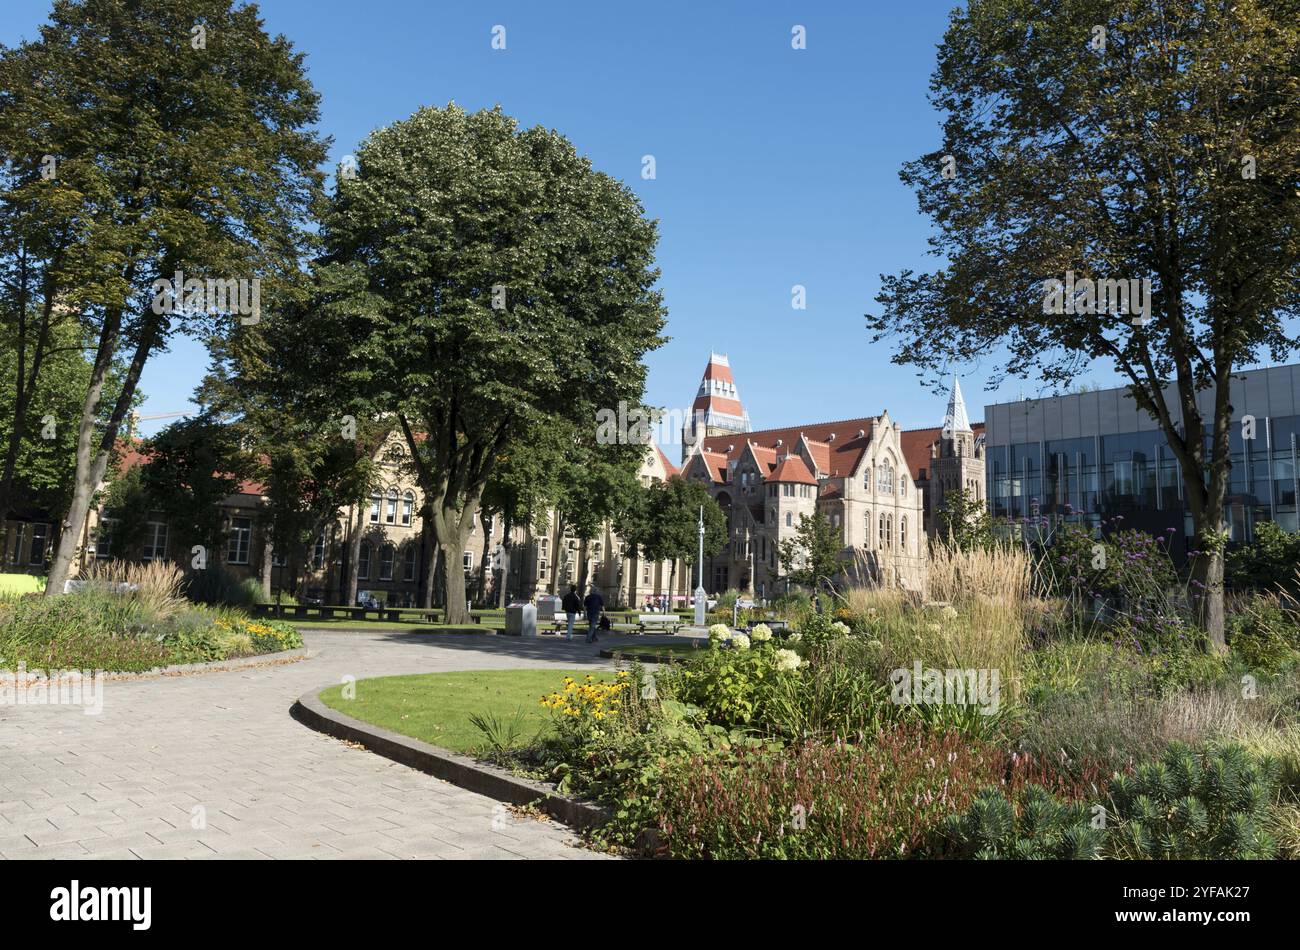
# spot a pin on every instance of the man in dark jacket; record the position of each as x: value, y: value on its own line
x: 595, y: 605
x: 572, y: 605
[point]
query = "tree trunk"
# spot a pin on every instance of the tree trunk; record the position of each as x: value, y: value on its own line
x: 485, y: 562
x: 354, y: 554
x: 454, y: 576
x: 582, y: 565
x: 268, y: 556
x: 558, y: 522
x: 502, y: 594
x: 429, y: 547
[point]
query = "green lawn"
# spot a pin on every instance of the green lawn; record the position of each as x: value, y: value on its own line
x: 435, y: 707
x: 16, y: 584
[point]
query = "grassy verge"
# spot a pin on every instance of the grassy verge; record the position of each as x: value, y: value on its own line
x: 660, y: 649
x: 435, y: 707
x: 15, y: 585
x: 407, y: 626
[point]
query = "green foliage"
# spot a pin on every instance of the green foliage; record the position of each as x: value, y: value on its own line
x: 964, y: 520
x: 1264, y: 632
x: 1269, y: 562
x: 1039, y: 826
x: 1211, y: 805
x: 812, y: 557
x: 664, y: 525
x: 729, y: 686
x: 220, y: 587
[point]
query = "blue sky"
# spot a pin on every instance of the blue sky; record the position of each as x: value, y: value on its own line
x: 775, y: 167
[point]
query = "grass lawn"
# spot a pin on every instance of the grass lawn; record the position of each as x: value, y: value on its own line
x: 435, y: 707
x: 16, y: 584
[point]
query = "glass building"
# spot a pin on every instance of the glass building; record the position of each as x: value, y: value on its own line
x: 1093, y: 456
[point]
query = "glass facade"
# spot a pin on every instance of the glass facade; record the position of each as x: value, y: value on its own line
x: 1132, y: 475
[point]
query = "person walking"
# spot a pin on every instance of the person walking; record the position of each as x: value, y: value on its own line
x: 572, y: 605
x: 595, y: 605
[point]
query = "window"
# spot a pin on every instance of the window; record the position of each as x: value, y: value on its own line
x: 882, y: 532
x: 885, y: 481
x: 789, y: 520
x: 363, y: 561
x: 902, y: 485
x: 902, y: 533
x: 318, y: 552
x: 408, y: 506
x: 645, y: 574
x: 468, y: 560
x: 374, y: 508
x: 390, y: 516
x: 241, y: 536
x: 104, y: 537
x: 867, y: 534
x: 386, y: 562
x: 155, y: 543
x: 408, y: 563
x: 37, y: 553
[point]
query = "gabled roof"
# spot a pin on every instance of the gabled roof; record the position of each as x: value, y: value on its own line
x: 793, y: 469
x: 132, y: 454
x: 669, y: 468
x: 834, y: 457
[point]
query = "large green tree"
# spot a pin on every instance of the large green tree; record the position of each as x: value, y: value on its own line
x: 664, y: 524
x: 812, y: 557
x: 181, y: 140
x: 484, y: 285
x: 1119, y: 140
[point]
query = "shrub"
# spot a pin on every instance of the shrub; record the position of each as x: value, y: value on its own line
x: 1197, y: 805
x: 729, y: 686
x: 1042, y: 827
x: 1267, y: 563
x: 219, y: 587
x: 1262, y: 632
x: 879, y: 799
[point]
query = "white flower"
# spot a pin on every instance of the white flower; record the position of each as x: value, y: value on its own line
x: 841, y: 627
x: 719, y: 631
x: 740, y: 641
x: 948, y: 613
x: 795, y: 637
x: 787, y: 660
x: 761, y: 634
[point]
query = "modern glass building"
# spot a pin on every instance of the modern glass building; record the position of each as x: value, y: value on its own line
x: 1094, y: 455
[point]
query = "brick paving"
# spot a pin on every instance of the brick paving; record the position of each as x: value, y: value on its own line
x: 211, y: 765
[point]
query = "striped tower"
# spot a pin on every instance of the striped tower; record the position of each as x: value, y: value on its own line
x: 717, y: 409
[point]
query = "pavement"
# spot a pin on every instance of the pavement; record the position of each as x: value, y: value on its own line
x: 210, y: 765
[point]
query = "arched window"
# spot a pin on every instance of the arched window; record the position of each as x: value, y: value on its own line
x: 882, y: 532
x: 866, y: 535
x: 375, y: 501
x: 363, y: 561
x: 789, y: 520
x: 386, y: 562
x: 390, y: 516
x: 885, y: 480
x: 889, y: 531
x: 408, y: 506
x: 902, y: 534
x: 902, y: 485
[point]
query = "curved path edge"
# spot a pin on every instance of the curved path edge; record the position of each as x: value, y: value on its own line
x: 449, y: 766
x: 177, y: 669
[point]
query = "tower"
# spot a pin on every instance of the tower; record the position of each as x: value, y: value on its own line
x: 958, y: 458
x: 717, y: 409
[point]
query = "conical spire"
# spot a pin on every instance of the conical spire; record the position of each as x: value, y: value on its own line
x: 717, y: 407
x: 955, y: 419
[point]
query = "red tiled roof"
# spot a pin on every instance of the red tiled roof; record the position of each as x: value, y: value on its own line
x: 793, y: 469
x: 830, y: 491
x: 916, y: 447
x: 669, y: 468
x: 841, y: 456
x: 132, y: 456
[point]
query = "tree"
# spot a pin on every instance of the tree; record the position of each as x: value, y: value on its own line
x: 485, y: 286
x: 964, y: 520
x: 812, y: 557
x: 180, y: 139
x: 663, y: 525
x: 1112, y: 142
x: 192, y: 466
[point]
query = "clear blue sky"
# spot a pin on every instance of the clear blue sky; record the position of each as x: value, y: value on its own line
x: 775, y: 166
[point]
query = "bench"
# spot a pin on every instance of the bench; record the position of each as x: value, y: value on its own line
x: 646, y: 622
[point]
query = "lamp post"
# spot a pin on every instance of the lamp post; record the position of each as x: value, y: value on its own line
x: 699, y: 589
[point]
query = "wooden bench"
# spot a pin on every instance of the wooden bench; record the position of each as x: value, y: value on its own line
x: 646, y: 622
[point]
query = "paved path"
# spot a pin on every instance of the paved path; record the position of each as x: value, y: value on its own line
x: 211, y: 765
